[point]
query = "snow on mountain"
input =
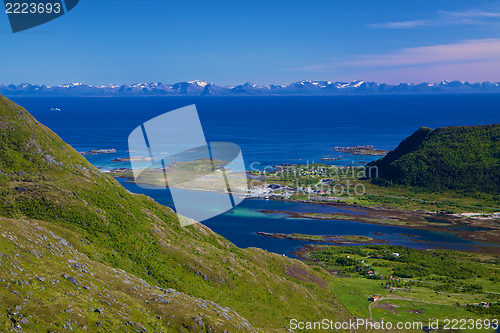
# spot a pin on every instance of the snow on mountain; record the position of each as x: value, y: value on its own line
x: 358, y: 84
x: 205, y: 88
x: 202, y: 84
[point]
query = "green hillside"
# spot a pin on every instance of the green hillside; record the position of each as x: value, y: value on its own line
x: 48, y: 285
x: 464, y: 159
x: 43, y: 180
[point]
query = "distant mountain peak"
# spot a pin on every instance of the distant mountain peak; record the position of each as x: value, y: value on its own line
x: 199, y: 83
x: 205, y: 88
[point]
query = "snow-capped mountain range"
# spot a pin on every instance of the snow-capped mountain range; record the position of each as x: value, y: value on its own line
x: 204, y: 88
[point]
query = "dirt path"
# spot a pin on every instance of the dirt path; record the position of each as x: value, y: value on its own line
x: 396, y: 297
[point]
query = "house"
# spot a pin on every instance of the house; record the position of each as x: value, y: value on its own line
x: 379, y: 256
x: 485, y: 305
x: 374, y: 298
x: 395, y: 254
x: 370, y: 273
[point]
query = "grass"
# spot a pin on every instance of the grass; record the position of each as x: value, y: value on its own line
x: 354, y: 294
x: 32, y: 286
x: 367, y: 193
x: 479, y: 270
x: 356, y: 238
x: 304, y: 237
x: 412, y: 198
x: 418, y: 303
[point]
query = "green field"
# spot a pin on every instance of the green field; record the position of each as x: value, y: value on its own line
x: 442, y: 287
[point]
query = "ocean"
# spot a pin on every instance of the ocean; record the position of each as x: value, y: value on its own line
x: 272, y: 130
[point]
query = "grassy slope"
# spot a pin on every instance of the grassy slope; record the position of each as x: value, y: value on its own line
x: 34, y: 257
x: 43, y: 178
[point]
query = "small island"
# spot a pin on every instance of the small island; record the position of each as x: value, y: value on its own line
x: 348, y: 239
x: 133, y: 159
x: 330, y: 159
x: 97, y: 151
x: 362, y: 150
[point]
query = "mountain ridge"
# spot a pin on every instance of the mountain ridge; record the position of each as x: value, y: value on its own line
x: 205, y: 88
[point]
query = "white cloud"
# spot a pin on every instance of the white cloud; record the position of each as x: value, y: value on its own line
x: 466, y: 51
x: 469, y: 14
x: 404, y: 24
x: 472, y: 17
x: 469, y: 60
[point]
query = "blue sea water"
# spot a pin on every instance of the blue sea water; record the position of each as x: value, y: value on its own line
x: 270, y: 131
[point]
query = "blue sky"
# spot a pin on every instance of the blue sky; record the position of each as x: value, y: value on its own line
x: 264, y: 42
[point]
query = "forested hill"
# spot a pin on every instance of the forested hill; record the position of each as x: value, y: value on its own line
x: 461, y: 158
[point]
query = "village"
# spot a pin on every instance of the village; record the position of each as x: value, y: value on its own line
x: 296, y: 181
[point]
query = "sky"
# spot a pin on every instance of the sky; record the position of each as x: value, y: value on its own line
x: 104, y: 42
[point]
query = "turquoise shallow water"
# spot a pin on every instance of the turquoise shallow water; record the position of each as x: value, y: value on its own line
x: 270, y: 131
x: 241, y: 224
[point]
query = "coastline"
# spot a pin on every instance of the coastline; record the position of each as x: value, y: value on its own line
x: 489, y: 233
x: 481, y: 229
x: 389, y: 217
